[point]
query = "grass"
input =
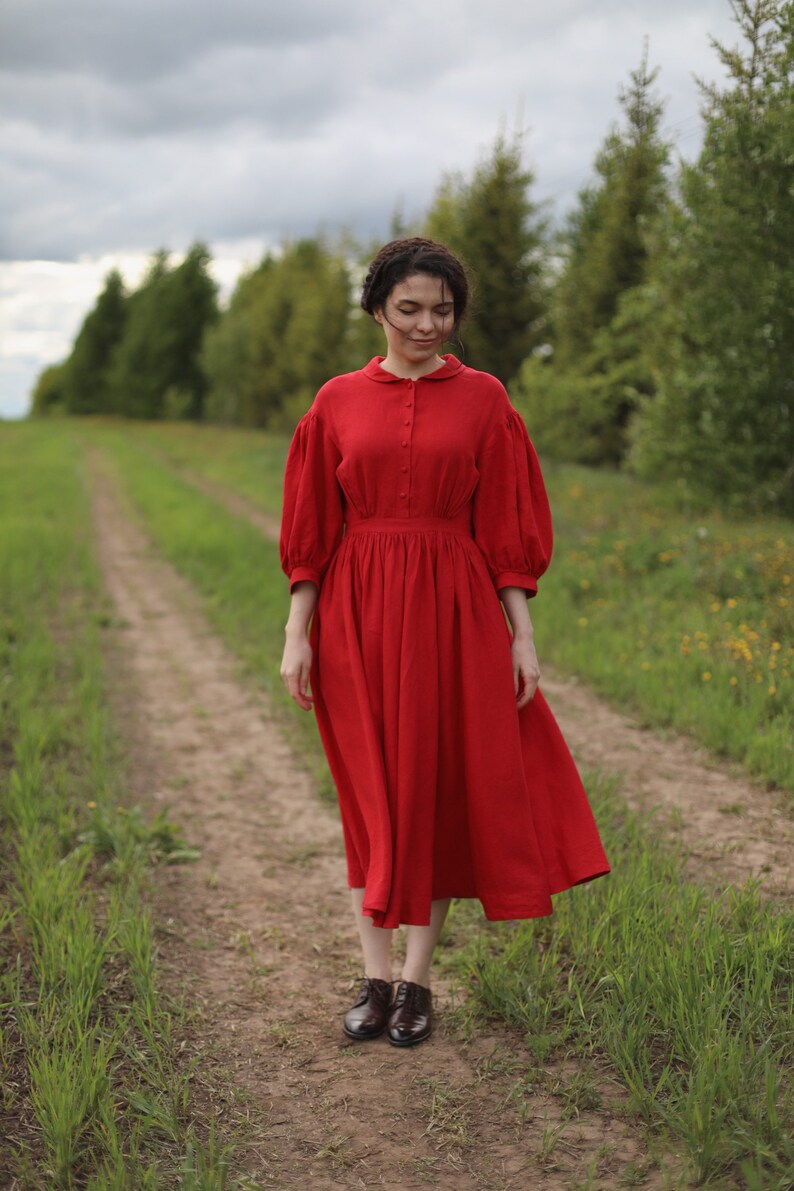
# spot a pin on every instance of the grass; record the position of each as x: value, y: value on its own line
x: 681, y: 615
x: 685, y: 616
x: 250, y: 463
x: 93, y: 1091
x: 686, y: 994
x: 682, y: 993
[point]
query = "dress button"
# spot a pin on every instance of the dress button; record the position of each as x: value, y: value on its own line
x: 404, y: 443
x: 407, y: 422
x: 403, y: 469
x: 402, y: 494
x: 409, y: 404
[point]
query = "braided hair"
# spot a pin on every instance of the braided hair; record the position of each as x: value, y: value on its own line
x: 402, y: 258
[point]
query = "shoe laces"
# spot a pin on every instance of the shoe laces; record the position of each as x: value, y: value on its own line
x: 410, y: 995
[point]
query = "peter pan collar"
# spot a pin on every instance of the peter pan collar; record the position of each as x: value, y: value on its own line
x: 450, y: 367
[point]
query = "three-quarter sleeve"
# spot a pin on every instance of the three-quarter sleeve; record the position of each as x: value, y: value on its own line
x: 511, y: 517
x: 312, y: 518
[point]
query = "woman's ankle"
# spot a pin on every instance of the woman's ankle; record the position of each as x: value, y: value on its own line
x: 376, y: 972
x: 416, y: 976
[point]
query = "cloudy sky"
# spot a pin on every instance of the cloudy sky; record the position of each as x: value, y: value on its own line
x: 129, y: 125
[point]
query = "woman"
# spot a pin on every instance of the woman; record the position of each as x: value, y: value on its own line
x: 413, y: 505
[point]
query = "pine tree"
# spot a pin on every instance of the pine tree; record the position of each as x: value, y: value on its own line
x: 579, y: 397
x: 156, y: 369
x: 500, y: 234
x: 723, y: 417
x: 85, y: 379
x: 284, y: 334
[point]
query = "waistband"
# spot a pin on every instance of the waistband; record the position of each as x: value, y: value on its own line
x: 460, y: 524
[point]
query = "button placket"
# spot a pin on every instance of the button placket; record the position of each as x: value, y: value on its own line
x: 405, y: 443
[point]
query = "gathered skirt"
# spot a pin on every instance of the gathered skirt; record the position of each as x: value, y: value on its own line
x: 445, y: 788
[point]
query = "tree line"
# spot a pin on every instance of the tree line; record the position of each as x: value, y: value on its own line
x: 654, y: 331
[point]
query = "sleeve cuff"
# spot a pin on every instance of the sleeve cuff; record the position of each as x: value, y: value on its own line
x: 516, y: 579
x: 298, y: 574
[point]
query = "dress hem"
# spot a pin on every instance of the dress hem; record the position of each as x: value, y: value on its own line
x: 496, y: 909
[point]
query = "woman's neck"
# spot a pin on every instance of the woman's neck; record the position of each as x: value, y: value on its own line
x: 407, y: 371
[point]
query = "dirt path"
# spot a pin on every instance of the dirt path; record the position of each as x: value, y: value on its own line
x: 732, y: 828
x: 258, y: 934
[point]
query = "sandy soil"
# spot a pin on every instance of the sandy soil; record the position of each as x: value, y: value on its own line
x: 259, y: 936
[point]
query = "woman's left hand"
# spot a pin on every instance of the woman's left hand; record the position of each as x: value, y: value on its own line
x: 526, y: 671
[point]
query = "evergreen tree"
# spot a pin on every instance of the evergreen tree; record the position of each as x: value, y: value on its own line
x: 493, y: 225
x: 85, y: 379
x: 723, y: 417
x: 284, y: 334
x: 156, y: 369
x: 579, y: 397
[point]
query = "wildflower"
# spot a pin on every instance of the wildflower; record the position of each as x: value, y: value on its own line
x: 715, y: 606
x: 91, y: 806
x: 582, y: 621
x: 645, y: 666
x: 706, y: 676
x: 731, y: 603
x: 584, y: 584
x: 773, y: 690
x: 734, y: 680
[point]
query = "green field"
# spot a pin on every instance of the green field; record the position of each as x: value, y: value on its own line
x: 682, y: 616
x: 682, y: 995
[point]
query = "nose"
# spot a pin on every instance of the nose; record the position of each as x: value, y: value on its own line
x: 424, y: 321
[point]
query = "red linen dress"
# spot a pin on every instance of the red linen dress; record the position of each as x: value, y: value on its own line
x: 410, y: 503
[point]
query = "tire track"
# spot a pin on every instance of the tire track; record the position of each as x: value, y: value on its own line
x: 259, y: 936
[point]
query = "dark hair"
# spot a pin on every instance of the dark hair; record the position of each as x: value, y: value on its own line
x: 402, y: 258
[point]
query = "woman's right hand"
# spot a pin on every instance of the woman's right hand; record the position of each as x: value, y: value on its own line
x: 295, y: 667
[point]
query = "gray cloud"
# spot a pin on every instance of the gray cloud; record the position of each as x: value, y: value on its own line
x: 126, y: 125
x: 130, y: 124
x: 131, y: 41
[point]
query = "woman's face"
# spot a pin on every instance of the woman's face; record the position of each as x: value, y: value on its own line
x: 417, y: 317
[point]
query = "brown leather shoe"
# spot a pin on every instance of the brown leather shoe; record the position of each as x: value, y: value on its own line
x: 367, y: 1018
x: 411, y: 1019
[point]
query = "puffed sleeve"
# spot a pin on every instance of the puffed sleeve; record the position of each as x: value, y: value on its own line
x: 511, y: 515
x: 312, y: 518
